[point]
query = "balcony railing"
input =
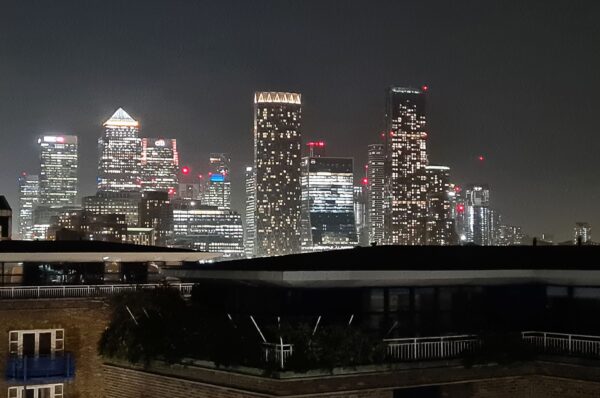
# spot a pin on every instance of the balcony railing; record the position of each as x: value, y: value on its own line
x: 278, y: 353
x: 23, y: 369
x: 425, y: 348
x: 74, y: 291
x: 561, y: 343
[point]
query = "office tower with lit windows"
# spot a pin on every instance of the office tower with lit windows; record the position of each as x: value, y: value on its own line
x: 583, y: 231
x: 156, y: 212
x: 120, y: 149
x: 327, y: 218
x: 439, y: 228
x: 207, y: 228
x: 376, y: 193
x: 217, y: 191
x: 160, y: 165
x: 478, y: 215
x: 360, y: 212
x: 105, y: 203
x: 58, y: 169
x: 406, y: 157
x: 29, y: 193
x: 277, y: 152
x: 249, y: 224
x: 510, y: 235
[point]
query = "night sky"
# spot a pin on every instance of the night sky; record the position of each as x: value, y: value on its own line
x: 517, y: 83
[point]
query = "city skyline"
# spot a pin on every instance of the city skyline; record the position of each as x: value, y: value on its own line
x: 468, y: 101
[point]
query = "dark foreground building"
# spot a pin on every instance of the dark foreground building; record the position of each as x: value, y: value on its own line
x: 452, y: 321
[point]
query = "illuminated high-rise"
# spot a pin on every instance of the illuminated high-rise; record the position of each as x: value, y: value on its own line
x: 375, y: 184
x: 439, y: 224
x: 120, y: 149
x: 217, y: 191
x: 582, y: 231
x: 406, y: 150
x: 29, y: 194
x: 58, y: 169
x: 360, y: 212
x: 160, y: 165
x: 277, y: 134
x: 478, y: 215
x: 249, y: 224
x: 327, y: 219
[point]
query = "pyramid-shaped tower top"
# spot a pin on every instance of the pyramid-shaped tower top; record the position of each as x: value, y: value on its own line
x: 121, y: 118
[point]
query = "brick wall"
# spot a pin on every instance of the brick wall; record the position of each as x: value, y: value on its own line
x: 84, y: 320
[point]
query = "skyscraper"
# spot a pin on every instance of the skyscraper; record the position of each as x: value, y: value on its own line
x: 478, y: 215
x: 58, y: 169
x: 29, y: 193
x: 439, y: 224
x: 160, y: 165
x: 406, y: 157
x: 277, y: 134
x: 120, y: 154
x: 218, y: 185
x: 375, y: 192
x: 327, y: 218
x: 249, y: 223
x: 360, y: 212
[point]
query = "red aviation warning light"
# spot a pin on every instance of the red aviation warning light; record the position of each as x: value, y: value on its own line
x: 185, y: 170
x: 424, y: 88
x: 365, y: 181
x: 460, y: 208
x: 481, y: 158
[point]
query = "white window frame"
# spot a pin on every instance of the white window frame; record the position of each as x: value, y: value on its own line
x: 57, y: 340
x: 56, y: 390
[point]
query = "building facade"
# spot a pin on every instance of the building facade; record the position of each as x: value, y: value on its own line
x: 207, y: 228
x: 58, y: 169
x: 406, y: 158
x: 277, y: 156
x: 327, y: 219
x: 439, y: 228
x: 5, y: 219
x: 360, y: 213
x: 29, y: 195
x: 120, y: 149
x: 478, y: 228
x: 160, y: 165
x: 156, y: 212
x: 376, y: 193
x: 125, y: 203
x: 583, y: 231
x: 249, y: 222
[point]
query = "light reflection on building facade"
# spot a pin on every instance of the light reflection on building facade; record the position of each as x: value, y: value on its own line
x: 120, y: 148
x: 406, y: 147
x: 327, y: 219
x: 277, y: 135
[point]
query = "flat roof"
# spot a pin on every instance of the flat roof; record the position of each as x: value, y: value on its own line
x: 411, y: 266
x: 94, y: 251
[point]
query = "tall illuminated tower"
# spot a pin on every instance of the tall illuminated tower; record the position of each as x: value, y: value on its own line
x: 375, y: 184
x: 58, y: 169
x: 478, y: 215
x: 217, y: 191
x: 29, y: 194
x: 328, y: 220
x: 277, y: 134
x: 160, y: 165
x: 439, y: 224
x: 249, y: 221
x: 406, y: 153
x: 120, y: 154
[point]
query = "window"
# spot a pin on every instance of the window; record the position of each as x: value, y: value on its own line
x: 39, y: 391
x: 41, y: 342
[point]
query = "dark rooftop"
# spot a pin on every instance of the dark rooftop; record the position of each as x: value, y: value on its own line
x: 23, y: 246
x: 4, y: 203
x: 426, y: 258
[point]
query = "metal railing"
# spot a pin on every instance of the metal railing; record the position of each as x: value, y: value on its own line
x: 278, y: 353
x: 562, y: 343
x: 439, y: 347
x: 40, y: 367
x: 74, y: 291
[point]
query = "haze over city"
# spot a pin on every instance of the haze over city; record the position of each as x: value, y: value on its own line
x: 515, y: 83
